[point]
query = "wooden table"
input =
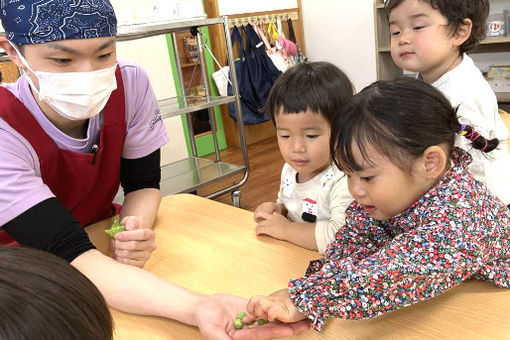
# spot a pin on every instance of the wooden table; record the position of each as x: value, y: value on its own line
x: 211, y: 247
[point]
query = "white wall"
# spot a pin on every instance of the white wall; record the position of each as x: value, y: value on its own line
x: 342, y: 32
x: 152, y: 54
x: 141, y: 11
x: 228, y: 7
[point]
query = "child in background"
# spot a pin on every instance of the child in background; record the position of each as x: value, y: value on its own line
x: 420, y: 225
x: 431, y: 38
x: 57, y: 301
x: 313, y: 193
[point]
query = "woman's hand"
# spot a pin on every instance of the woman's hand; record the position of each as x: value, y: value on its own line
x: 135, y: 245
x: 215, y: 317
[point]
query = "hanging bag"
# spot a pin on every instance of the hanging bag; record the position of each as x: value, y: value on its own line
x: 249, y: 104
x: 299, y: 58
x: 292, y: 35
x: 279, y: 59
x: 287, y: 46
x: 262, y: 72
x: 272, y: 32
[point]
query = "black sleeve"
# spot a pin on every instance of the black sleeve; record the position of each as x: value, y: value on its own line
x: 50, y: 227
x: 140, y: 173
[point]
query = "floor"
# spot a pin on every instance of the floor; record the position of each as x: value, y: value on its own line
x: 264, y: 178
x: 265, y: 168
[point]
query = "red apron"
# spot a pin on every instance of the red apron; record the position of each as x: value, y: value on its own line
x: 85, y: 183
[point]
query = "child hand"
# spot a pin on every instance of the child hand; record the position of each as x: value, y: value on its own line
x: 273, y: 224
x: 267, y: 207
x: 135, y: 245
x: 215, y: 314
x: 277, y: 306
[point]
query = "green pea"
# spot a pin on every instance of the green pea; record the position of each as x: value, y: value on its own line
x: 238, y: 324
x: 241, y: 315
x: 115, y: 228
x: 261, y: 321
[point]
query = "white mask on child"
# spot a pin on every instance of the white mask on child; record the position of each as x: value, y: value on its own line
x: 74, y: 95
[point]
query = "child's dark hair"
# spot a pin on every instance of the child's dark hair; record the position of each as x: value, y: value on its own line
x: 44, y: 297
x: 399, y: 119
x: 456, y: 11
x: 316, y: 86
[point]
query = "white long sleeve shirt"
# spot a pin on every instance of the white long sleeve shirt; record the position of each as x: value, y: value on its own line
x: 465, y: 87
x: 325, y: 196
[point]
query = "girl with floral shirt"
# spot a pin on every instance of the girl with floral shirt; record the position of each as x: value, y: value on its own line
x: 420, y: 223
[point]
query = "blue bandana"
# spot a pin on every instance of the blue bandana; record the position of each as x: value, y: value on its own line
x: 39, y: 21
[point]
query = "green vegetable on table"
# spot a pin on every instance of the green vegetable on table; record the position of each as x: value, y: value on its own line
x: 115, y: 228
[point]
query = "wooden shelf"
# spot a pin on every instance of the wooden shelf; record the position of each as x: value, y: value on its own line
x: 496, y: 40
x: 503, y: 97
x: 190, y: 64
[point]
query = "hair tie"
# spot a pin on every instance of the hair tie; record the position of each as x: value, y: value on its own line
x: 474, y: 135
x: 485, y: 147
x: 462, y: 128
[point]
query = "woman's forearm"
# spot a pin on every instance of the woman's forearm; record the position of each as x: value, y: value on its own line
x: 133, y: 290
x: 143, y: 203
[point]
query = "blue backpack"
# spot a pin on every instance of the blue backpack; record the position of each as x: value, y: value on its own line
x: 256, y: 75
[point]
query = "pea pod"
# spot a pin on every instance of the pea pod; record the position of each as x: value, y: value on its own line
x: 115, y: 228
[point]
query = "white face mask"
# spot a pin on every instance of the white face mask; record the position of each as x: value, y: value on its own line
x: 74, y: 95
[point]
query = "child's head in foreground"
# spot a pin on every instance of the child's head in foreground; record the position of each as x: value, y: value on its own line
x: 429, y: 36
x: 303, y: 102
x: 395, y: 140
x: 44, y: 297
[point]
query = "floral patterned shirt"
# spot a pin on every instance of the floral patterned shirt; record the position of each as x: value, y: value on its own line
x: 456, y: 231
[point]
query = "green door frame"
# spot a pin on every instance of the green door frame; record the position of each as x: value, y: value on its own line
x: 204, y: 143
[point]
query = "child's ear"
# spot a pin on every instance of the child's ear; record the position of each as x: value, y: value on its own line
x: 433, y: 162
x: 463, y: 32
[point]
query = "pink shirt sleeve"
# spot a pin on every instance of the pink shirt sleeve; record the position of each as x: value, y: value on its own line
x: 145, y: 129
x: 21, y: 185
